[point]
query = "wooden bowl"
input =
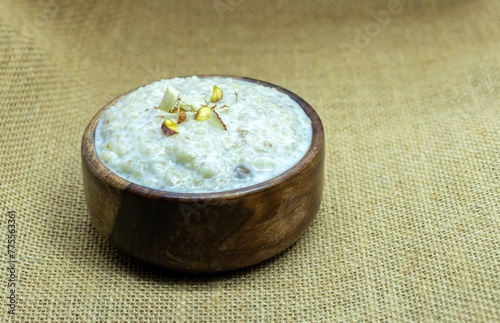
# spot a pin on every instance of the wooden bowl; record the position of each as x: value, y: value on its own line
x: 205, y: 232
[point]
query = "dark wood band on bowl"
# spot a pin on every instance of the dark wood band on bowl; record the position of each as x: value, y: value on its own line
x: 205, y: 232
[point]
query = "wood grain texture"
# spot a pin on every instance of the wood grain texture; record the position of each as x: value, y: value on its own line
x: 205, y: 232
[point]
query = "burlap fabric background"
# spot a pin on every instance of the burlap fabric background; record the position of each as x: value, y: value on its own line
x: 409, y: 95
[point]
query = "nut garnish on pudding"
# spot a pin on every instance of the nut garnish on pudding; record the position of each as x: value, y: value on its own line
x: 207, y: 134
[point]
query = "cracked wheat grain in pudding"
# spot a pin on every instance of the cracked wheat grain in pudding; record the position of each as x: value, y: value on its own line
x: 202, y: 135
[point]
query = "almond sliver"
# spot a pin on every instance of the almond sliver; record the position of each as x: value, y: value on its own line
x: 170, y: 99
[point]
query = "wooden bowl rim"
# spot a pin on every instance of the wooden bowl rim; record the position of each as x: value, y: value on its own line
x: 100, y: 170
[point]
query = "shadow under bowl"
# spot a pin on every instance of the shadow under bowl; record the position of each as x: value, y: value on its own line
x: 205, y: 232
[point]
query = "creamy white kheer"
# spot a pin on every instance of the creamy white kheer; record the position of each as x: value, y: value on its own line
x: 199, y: 134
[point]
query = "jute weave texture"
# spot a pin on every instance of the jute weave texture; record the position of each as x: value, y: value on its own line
x: 408, y: 92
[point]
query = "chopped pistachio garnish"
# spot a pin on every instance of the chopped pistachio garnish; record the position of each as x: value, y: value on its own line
x: 217, y: 94
x: 203, y: 113
x: 170, y: 99
x: 169, y: 127
x: 161, y: 117
x: 209, y: 114
x: 181, y: 107
x: 182, y: 116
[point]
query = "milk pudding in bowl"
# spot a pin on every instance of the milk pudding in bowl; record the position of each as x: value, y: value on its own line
x: 226, y: 134
x: 204, y: 173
